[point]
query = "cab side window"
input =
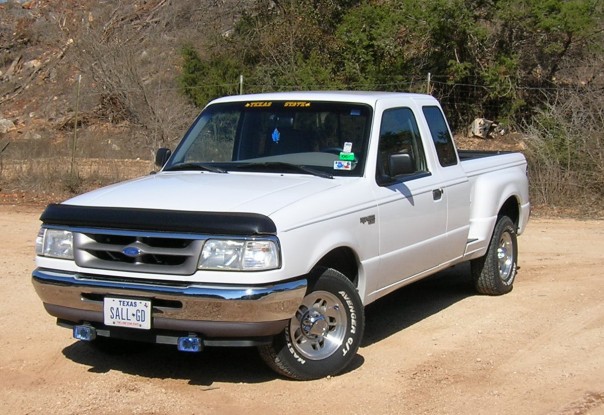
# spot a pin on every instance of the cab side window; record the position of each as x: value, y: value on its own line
x: 443, y: 142
x: 400, y: 151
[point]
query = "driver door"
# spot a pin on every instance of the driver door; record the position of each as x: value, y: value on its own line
x: 412, y: 209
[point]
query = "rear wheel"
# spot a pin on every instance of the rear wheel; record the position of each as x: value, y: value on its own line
x: 324, y: 335
x: 495, y: 272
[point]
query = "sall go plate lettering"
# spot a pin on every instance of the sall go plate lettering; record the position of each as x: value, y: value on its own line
x: 127, y: 312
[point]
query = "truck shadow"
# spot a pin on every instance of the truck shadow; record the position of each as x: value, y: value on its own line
x: 384, y: 318
x: 413, y: 303
x: 230, y: 365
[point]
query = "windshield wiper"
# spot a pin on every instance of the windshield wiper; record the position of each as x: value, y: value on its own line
x: 280, y: 166
x: 195, y: 166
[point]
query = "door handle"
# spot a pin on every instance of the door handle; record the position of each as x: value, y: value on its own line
x: 437, y: 194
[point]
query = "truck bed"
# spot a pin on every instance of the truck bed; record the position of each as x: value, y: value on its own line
x: 474, y: 154
x: 481, y: 162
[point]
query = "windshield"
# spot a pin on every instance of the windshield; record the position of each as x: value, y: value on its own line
x: 277, y: 136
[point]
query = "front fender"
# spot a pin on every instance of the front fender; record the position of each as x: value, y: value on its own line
x: 304, y: 246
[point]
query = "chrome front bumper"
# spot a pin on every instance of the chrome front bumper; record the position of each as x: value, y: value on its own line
x: 211, y: 310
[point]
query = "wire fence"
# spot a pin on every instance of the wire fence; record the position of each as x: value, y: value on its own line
x: 462, y: 101
x: 565, y: 158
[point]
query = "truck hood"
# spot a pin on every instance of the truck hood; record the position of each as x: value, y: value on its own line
x: 209, y: 192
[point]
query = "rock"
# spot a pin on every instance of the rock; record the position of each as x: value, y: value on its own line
x: 501, y: 129
x: 32, y: 64
x: 6, y: 126
x: 13, y: 69
x: 30, y: 135
x: 480, y: 127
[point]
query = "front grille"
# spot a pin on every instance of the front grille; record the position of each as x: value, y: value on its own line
x: 137, y: 253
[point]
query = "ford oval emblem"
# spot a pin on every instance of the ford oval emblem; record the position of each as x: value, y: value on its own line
x: 132, y: 251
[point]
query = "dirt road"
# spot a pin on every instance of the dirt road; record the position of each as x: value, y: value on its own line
x: 431, y: 348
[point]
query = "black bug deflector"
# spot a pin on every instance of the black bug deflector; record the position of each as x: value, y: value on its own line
x: 220, y: 223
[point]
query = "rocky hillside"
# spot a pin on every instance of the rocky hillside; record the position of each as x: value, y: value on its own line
x: 113, y: 62
x: 84, y: 79
x: 88, y: 89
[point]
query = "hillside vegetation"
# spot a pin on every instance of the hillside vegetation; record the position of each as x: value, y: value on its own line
x: 112, y: 81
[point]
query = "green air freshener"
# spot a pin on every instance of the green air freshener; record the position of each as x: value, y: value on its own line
x: 346, y: 156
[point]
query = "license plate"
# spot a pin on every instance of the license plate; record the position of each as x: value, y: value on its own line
x: 127, y: 312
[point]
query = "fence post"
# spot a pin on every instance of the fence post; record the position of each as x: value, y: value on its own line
x: 1, y: 162
x: 75, y: 128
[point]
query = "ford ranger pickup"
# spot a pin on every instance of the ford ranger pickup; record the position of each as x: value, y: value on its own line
x: 275, y: 221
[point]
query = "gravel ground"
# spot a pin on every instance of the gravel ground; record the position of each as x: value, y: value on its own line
x: 431, y: 348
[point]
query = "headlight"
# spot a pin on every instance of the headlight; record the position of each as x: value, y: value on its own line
x: 54, y: 243
x: 239, y: 255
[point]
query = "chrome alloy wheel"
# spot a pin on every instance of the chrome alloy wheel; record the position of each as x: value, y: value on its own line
x: 505, y: 256
x: 319, y: 327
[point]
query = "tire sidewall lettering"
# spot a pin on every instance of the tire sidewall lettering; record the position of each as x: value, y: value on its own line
x: 352, y: 328
x: 351, y: 312
x: 347, y: 344
x: 291, y: 349
x: 510, y: 280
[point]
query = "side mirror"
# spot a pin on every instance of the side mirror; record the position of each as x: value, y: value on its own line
x: 162, y: 156
x: 399, y: 164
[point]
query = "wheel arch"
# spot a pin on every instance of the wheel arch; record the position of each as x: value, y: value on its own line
x: 344, y: 260
x: 511, y: 209
x: 482, y: 226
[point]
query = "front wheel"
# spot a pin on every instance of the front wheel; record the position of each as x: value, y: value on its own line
x: 495, y: 272
x: 324, y: 335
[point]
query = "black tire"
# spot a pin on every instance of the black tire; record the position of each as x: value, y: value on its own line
x: 495, y: 272
x: 324, y: 335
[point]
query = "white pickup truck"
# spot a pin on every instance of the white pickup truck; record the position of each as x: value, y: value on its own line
x: 275, y: 221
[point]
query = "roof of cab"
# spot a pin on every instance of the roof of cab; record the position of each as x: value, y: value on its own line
x: 367, y: 97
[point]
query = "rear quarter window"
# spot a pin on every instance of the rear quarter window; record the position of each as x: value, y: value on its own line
x: 441, y: 136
